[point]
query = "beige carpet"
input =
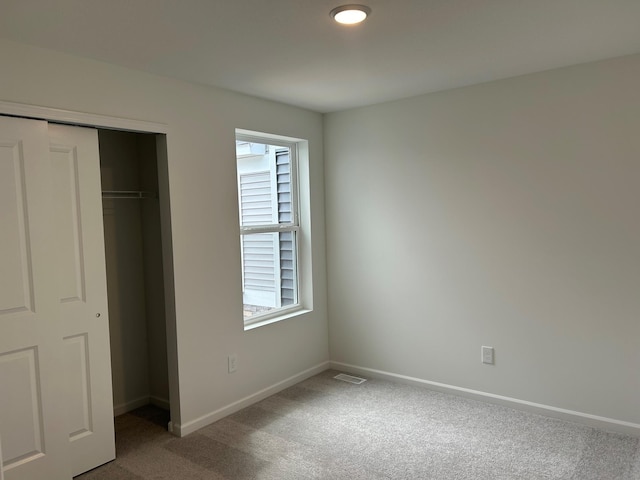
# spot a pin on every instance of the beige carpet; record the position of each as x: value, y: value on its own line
x: 326, y: 429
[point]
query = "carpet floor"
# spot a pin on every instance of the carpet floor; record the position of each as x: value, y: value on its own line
x: 326, y: 429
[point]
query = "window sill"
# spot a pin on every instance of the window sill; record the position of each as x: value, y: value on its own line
x: 296, y: 312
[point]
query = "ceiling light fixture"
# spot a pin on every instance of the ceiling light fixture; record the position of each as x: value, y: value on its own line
x: 350, y: 14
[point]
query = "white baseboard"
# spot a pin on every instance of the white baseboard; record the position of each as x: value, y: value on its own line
x: 162, y: 403
x: 123, y: 408
x: 604, y: 423
x: 186, y: 428
x: 1, y: 462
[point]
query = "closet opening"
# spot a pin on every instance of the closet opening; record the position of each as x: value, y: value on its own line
x: 51, y: 158
x: 136, y: 272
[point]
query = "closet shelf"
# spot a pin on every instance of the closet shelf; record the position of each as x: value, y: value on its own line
x: 130, y: 194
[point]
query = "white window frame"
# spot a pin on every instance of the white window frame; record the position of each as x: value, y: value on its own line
x: 300, y: 208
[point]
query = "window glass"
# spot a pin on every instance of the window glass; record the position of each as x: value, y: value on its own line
x: 269, y: 227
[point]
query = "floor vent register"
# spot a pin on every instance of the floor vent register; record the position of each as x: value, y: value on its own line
x: 350, y: 378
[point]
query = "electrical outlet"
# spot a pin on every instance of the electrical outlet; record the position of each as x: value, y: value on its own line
x: 233, y: 362
x: 487, y: 355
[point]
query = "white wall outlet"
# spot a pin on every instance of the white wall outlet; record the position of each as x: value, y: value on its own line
x: 487, y: 355
x: 233, y: 362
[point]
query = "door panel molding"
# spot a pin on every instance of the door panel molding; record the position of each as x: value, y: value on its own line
x: 15, y: 250
x: 69, y: 224
x: 20, y: 369
x: 79, y: 406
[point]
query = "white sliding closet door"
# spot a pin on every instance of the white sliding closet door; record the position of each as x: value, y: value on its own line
x: 33, y: 423
x: 55, y: 380
x: 82, y: 295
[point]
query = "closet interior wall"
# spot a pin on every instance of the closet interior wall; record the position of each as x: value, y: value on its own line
x: 133, y: 250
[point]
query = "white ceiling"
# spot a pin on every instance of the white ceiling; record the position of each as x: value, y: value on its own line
x: 291, y: 51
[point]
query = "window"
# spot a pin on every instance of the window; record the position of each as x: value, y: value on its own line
x: 269, y: 226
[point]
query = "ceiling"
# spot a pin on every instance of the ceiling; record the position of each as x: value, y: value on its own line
x: 291, y: 51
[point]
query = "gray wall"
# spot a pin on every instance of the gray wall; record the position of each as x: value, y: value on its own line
x: 503, y: 214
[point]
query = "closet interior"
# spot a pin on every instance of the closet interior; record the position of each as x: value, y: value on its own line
x: 135, y: 280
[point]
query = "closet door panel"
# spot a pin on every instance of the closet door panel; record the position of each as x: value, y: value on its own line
x: 20, y: 370
x: 32, y: 420
x: 79, y: 387
x: 16, y: 284
x: 71, y: 281
x: 82, y: 295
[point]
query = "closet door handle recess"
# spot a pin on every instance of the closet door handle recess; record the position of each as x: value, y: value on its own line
x: 98, y: 315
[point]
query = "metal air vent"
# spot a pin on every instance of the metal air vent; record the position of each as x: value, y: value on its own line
x: 350, y: 378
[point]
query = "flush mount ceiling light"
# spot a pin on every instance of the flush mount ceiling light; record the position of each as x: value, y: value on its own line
x: 350, y: 14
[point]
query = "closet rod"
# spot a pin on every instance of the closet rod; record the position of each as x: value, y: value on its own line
x: 130, y: 194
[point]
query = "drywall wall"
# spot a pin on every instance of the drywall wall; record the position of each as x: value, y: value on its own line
x: 201, y: 125
x: 503, y: 214
x: 153, y: 273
